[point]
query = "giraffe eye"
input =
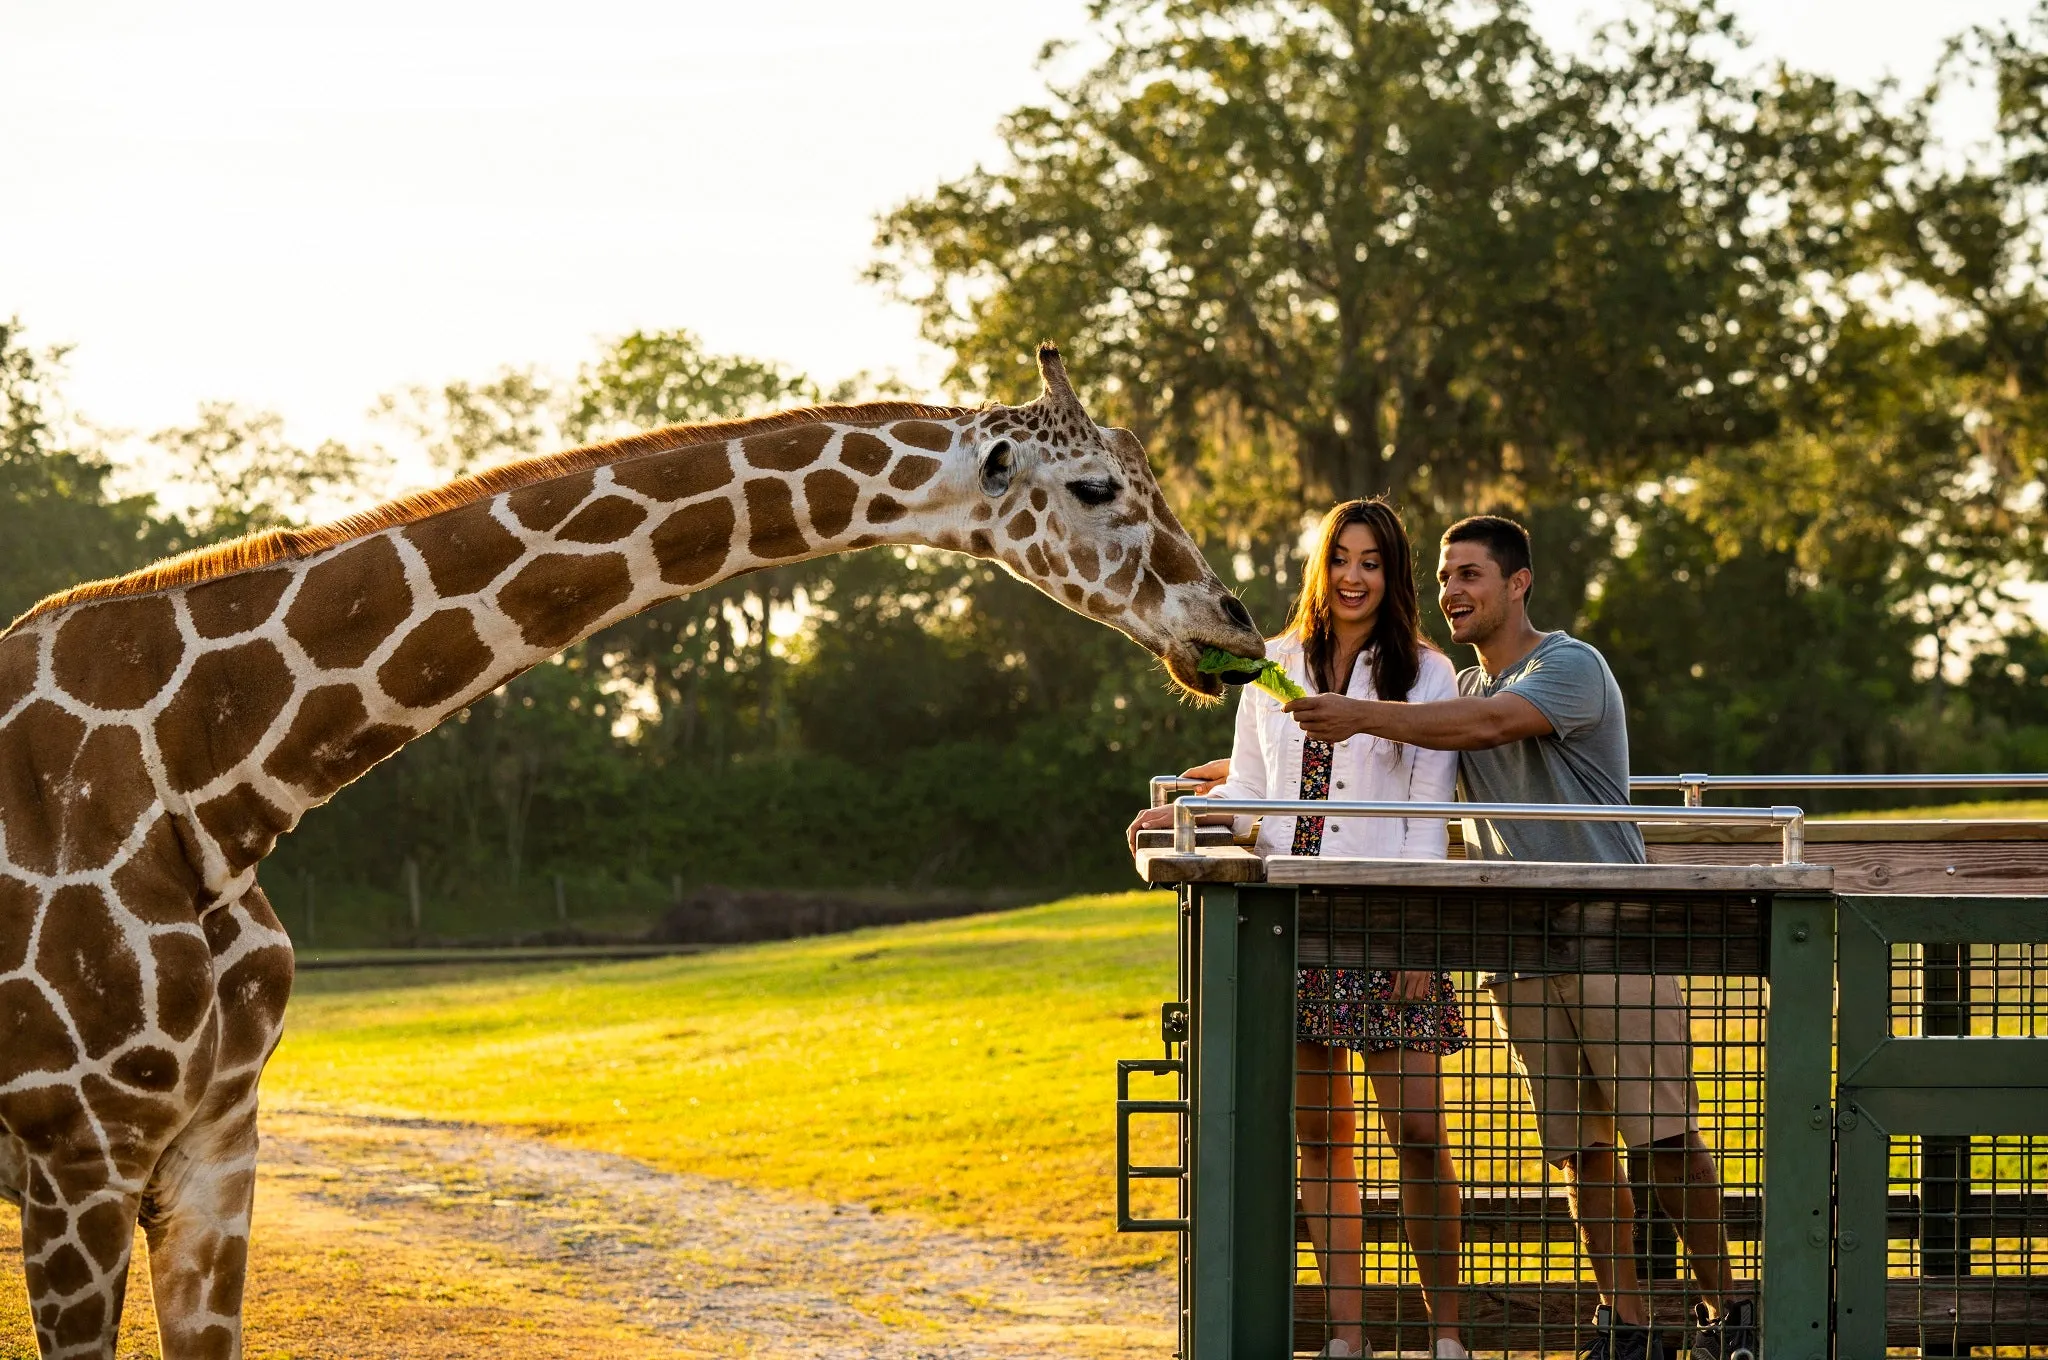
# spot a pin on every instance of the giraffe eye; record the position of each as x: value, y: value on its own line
x: 1099, y: 491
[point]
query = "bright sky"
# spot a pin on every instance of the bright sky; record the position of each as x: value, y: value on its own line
x: 297, y: 208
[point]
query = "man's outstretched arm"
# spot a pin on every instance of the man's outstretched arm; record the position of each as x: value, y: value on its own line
x: 1467, y: 724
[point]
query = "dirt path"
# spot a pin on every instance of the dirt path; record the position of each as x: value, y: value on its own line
x: 440, y: 1241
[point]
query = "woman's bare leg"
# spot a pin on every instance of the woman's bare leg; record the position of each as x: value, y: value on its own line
x: 1326, y: 1129
x: 1409, y: 1090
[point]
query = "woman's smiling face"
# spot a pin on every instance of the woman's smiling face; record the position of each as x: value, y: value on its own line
x: 1358, y: 577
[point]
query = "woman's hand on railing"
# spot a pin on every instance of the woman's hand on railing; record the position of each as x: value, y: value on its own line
x: 1151, y: 819
x: 1161, y: 819
x: 1208, y: 775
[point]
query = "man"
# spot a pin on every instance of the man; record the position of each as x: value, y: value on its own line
x: 1540, y: 720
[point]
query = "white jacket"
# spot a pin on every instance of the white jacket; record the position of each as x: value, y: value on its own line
x: 1265, y: 762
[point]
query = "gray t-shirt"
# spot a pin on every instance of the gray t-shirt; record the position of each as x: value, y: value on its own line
x: 1583, y: 760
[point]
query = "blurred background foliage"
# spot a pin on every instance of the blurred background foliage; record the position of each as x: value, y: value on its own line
x: 1762, y: 363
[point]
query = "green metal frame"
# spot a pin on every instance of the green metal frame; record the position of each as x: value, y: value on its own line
x: 1935, y: 1086
x: 1240, y: 1266
x: 1799, y: 1150
x: 1825, y: 1162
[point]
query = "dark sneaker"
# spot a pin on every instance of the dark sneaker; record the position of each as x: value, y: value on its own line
x: 1731, y: 1336
x: 1616, y: 1340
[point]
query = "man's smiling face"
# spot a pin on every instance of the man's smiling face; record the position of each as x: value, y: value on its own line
x: 1476, y: 597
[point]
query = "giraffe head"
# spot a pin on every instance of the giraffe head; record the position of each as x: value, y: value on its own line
x: 1072, y: 507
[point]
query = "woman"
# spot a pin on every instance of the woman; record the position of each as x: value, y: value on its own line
x: 1354, y: 630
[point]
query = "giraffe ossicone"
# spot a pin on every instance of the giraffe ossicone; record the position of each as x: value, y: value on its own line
x: 160, y: 731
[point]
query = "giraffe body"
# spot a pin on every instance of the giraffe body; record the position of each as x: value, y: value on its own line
x: 159, y: 733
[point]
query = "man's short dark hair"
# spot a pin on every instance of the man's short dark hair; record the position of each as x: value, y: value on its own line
x: 1505, y: 541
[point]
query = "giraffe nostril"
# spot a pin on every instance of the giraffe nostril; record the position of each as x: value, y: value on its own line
x: 1234, y: 610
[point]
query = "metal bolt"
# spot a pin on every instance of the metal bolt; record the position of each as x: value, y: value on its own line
x: 1819, y: 1120
x: 1951, y: 869
x: 1278, y: 931
x: 1799, y: 933
x: 1851, y: 1240
x: 1848, y: 1120
x: 1817, y: 1236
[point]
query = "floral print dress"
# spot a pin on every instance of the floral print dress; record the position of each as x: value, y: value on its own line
x: 1355, y: 1007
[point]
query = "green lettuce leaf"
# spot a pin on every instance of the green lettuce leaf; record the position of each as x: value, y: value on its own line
x: 1267, y: 675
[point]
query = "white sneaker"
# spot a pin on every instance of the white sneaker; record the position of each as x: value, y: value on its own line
x: 1447, y: 1349
x: 1340, y: 1349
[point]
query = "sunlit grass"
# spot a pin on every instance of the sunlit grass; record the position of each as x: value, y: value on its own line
x: 962, y: 1069
x: 2022, y: 810
x: 958, y: 1069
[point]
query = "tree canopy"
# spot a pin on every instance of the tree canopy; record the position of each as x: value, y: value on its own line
x: 61, y: 523
x: 1644, y: 295
x: 1438, y: 255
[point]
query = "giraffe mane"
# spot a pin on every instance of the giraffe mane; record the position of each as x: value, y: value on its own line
x: 289, y: 545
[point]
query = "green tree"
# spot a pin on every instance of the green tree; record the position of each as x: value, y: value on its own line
x: 647, y: 379
x: 1427, y: 251
x: 237, y: 474
x: 59, y: 523
x: 705, y: 665
x: 1694, y: 325
x: 467, y: 426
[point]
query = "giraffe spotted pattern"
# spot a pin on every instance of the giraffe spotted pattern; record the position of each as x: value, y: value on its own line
x: 159, y: 733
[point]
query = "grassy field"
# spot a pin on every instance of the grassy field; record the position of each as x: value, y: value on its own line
x: 961, y: 1069
x: 2008, y: 810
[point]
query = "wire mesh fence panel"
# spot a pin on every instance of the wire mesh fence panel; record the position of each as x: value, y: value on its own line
x: 1967, y: 1216
x: 1506, y: 1101
x: 1967, y: 1220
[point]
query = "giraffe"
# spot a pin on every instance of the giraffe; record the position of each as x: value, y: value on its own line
x: 160, y: 731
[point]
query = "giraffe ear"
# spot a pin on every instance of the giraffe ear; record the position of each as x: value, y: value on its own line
x: 998, y: 465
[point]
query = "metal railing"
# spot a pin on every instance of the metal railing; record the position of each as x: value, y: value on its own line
x: 1790, y: 821
x: 1166, y: 787
x: 1695, y: 786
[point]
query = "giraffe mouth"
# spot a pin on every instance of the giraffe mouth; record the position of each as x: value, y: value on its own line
x: 1181, y: 661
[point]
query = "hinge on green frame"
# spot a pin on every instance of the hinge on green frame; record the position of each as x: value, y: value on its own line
x: 1173, y: 1024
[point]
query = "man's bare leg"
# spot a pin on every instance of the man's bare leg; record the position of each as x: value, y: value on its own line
x: 1688, y: 1189
x: 1606, y: 1215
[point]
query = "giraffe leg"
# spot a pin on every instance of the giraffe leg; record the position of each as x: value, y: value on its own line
x: 197, y: 1211
x: 197, y: 1220
x: 77, y: 1231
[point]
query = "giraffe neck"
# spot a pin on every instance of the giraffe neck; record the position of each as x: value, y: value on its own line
x: 285, y: 683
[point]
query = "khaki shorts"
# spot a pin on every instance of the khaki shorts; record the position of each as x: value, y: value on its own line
x: 1601, y: 1053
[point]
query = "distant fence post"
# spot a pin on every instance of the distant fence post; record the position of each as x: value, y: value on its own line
x: 675, y: 891
x: 412, y: 894
x: 561, y: 901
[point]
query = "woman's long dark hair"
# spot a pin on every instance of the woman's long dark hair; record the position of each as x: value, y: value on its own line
x: 1396, y: 643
